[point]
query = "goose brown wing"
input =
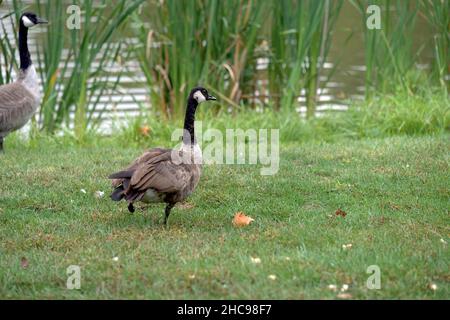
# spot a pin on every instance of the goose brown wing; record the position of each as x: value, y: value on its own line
x: 126, y: 174
x: 161, y: 174
x: 17, y: 105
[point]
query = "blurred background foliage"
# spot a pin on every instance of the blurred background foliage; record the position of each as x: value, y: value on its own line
x: 222, y: 45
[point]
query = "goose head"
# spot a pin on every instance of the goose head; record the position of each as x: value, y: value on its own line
x: 30, y: 19
x: 200, y: 95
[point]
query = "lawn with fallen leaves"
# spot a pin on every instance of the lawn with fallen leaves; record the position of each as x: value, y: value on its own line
x: 332, y: 211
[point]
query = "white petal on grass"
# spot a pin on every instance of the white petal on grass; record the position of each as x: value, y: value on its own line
x: 443, y: 241
x: 191, y: 276
x: 344, y: 287
x: 83, y: 191
x: 272, y: 277
x: 115, y: 259
x: 433, y: 286
x: 347, y: 246
x: 255, y: 260
x: 332, y: 287
x: 99, y: 194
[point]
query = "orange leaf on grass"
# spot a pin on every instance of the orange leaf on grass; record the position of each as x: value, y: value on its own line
x: 145, y: 130
x: 241, y: 220
x: 340, y: 212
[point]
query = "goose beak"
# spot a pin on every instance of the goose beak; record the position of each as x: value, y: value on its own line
x: 41, y: 21
x: 211, y: 98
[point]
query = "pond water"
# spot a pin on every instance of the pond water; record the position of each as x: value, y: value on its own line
x: 346, y: 55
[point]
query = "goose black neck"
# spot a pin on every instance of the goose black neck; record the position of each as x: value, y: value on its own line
x: 25, y: 60
x: 189, y: 121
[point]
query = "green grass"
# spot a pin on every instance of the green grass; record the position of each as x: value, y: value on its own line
x: 395, y: 192
x: 426, y: 112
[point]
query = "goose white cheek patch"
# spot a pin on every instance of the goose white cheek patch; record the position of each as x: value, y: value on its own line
x: 198, y: 95
x: 27, y: 22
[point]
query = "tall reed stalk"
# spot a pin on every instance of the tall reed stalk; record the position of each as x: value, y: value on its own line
x: 388, y: 51
x: 318, y: 52
x: 98, y: 40
x: 215, y: 43
x: 73, y: 63
x: 8, y: 60
x: 186, y: 43
x: 300, y: 40
x: 437, y: 14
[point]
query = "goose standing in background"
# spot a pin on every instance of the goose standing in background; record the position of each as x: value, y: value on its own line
x: 164, y: 175
x: 19, y: 100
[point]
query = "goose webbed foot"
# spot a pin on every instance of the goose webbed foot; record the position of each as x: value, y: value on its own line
x: 167, y: 212
x: 131, y: 207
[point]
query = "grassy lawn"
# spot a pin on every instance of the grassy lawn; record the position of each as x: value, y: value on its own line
x: 395, y: 192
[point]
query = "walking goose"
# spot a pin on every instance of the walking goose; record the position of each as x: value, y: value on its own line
x: 20, y: 99
x: 164, y: 175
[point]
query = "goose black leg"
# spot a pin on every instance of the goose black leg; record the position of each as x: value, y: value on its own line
x: 1, y: 145
x: 131, y: 207
x: 167, y: 212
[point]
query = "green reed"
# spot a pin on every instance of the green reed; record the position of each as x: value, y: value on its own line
x: 71, y: 78
x: 437, y: 15
x: 217, y: 44
x: 300, y: 41
x: 389, y: 54
x: 187, y: 43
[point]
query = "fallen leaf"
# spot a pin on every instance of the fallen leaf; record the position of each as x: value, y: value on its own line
x: 191, y: 276
x: 341, y: 213
x: 344, y: 296
x: 24, y: 262
x: 145, y: 130
x: 241, y: 220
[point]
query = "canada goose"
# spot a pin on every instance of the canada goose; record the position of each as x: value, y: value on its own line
x: 164, y: 175
x: 20, y: 99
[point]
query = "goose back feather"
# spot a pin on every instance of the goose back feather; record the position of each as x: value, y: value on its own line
x: 155, y: 171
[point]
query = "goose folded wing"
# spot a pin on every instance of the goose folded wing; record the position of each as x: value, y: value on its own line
x: 148, y: 156
x: 16, y: 106
x: 163, y: 176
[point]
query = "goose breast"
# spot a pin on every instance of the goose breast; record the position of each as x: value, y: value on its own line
x: 17, y: 106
